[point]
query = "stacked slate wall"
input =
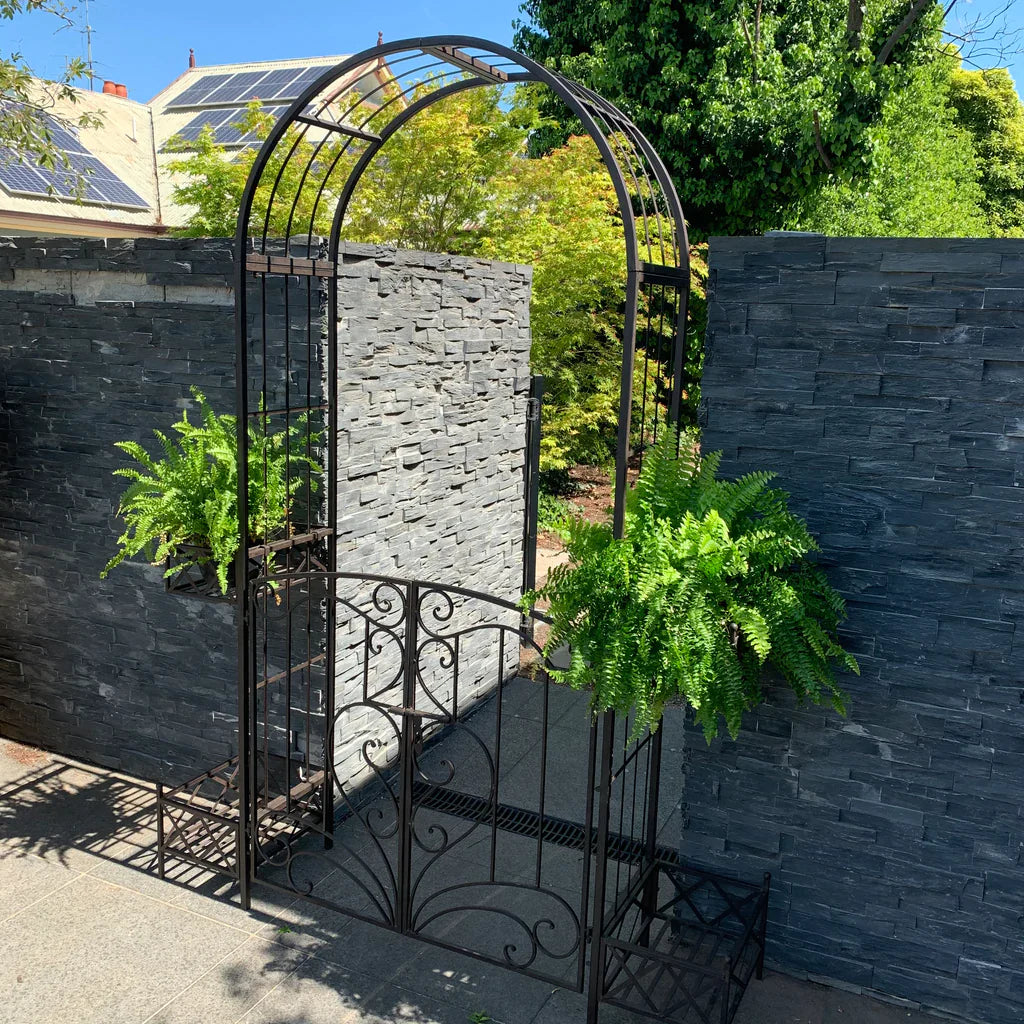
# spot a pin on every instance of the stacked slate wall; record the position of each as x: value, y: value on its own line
x: 433, y: 379
x: 100, y: 341
x: 883, y: 380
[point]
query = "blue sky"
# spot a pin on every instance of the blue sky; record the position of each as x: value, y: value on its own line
x: 145, y: 43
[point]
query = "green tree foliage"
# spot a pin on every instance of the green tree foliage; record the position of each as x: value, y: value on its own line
x: 988, y: 107
x: 710, y: 582
x: 754, y: 104
x: 25, y: 99
x: 560, y: 214
x: 456, y: 179
x: 924, y: 179
x: 189, y: 496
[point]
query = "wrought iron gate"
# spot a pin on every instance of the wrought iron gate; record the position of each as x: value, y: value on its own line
x: 403, y: 755
x: 437, y: 753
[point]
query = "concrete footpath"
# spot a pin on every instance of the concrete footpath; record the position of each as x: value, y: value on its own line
x: 91, y: 936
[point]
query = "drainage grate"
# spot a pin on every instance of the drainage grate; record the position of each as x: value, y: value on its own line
x: 520, y: 822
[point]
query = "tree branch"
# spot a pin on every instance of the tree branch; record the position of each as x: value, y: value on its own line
x: 854, y: 22
x: 752, y: 43
x: 817, y: 140
x: 987, y: 39
x: 915, y: 12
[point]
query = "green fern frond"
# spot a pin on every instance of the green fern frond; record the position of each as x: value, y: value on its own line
x: 189, y: 495
x: 709, y: 582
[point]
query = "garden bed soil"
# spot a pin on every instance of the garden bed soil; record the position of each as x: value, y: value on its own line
x: 593, y: 500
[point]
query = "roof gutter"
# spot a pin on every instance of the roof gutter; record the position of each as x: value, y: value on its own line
x: 44, y: 223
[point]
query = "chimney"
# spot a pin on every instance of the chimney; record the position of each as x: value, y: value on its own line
x: 121, y: 90
x: 109, y: 88
x: 191, y: 57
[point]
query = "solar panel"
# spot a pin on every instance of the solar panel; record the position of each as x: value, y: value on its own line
x: 228, y: 134
x: 64, y: 139
x: 219, y: 120
x: 305, y: 79
x: 276, y: 83
x: 213, y: 118
x: 195, y: 94
x: 83, y: 177
x: 117, y: 192
x: 16, y: 177
x: 237, y: 89
x: 288, y: 83
x: 102, y: 185
x: 223, y: 124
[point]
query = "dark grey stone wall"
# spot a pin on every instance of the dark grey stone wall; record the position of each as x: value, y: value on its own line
x: 883, y: 380
x: 100, y: 341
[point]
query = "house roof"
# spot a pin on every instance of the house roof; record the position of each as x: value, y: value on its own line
x: 131, y: 146
x: 122, y: 143
x: 219, y: 95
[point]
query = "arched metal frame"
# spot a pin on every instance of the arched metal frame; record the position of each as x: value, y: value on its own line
x: 297, y: 177
x: 654, y: 226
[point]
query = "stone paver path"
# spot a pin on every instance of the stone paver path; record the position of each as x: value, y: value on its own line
x: 90, y: 935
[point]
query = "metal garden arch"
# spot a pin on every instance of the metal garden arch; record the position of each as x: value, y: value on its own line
x: 394, y: 819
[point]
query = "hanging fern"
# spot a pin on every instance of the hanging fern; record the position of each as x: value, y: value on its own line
x: 710, y: 583
x: 190, y: 495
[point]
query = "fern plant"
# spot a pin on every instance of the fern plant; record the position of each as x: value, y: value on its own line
x: 710, y: 582
x: 189, y: 496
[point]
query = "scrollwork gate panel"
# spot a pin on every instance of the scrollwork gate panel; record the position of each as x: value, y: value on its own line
x: 428, y: 803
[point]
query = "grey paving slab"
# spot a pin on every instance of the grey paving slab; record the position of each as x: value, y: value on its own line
x: 321, y: 993
x: 200, y: 892
x: 474, y: 985
x: 232, y: 987
x: 25, y: 878
x: 779, y: 999
x: 217, y: 896
x: 137, y: 869
x: 341, y: 940
x: 16, y: 760
x: 95, y: 952
x: 74, y: 816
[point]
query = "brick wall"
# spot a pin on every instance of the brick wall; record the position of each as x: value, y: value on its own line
x: 883, y: 380
x: 100, y: 341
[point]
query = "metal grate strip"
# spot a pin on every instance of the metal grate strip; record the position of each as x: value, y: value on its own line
x: 521, y: 822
